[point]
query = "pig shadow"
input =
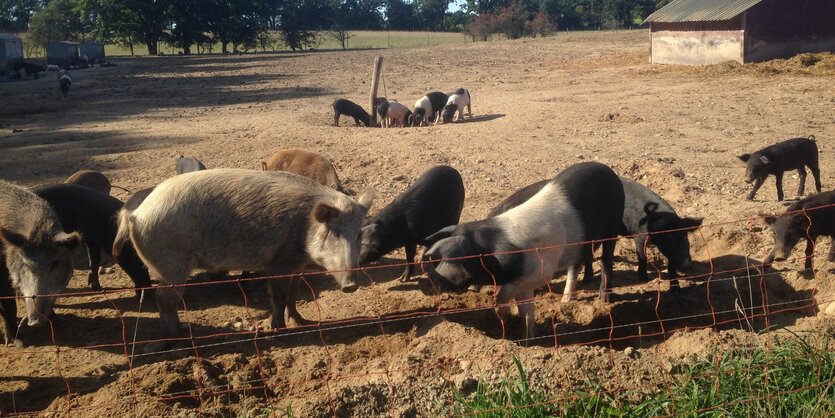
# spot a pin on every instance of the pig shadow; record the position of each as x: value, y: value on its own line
x: 40, y: 392
x: 479, y: 118
x: 744, y: 299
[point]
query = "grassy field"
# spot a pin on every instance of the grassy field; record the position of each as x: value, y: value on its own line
x: 358, y: 40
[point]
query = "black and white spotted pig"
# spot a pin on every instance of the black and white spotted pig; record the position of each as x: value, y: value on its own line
x: 455, y: 105
x: 435, y: 201
x: 582, y: 203
x: 647, y: 217
x: 806, y: 219
x: 392, y: 112
x: 428, y: 108
x: 93, y: 213
x: 792, y: 154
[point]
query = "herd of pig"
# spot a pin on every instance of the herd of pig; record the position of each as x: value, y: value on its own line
x: 295, y: 216
x: 434, y: 107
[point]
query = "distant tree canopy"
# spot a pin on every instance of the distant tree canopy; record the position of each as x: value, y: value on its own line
x: 248, y: 24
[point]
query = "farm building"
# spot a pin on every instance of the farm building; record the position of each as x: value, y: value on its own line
x: 698, y: 32
x: 94, y: 52
x: 11, y: 51
x: 62, y: 53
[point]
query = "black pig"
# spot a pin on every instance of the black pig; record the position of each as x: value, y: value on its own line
x: 349, y: 108
x: 807, y: 219
x: 792, y: 154
x: 93, y: 214
x: 433, y: 202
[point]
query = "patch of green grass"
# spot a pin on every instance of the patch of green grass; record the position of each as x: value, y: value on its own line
x: 792, y: 378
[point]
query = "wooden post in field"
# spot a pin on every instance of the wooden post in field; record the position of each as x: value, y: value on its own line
x: 375, y: 82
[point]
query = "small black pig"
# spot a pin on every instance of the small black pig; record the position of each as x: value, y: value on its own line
x: 792, y: 154
x: 435, y: 201
x: 349, y: 108
x: 94, y: 215
x: 807, y: 219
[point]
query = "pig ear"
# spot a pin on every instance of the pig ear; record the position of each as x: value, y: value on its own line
x: 764, y: 159
x: 367, y: 198
x: 67, y: 241
x: 325, y: 213
x: 744, y: 157
x: 442, y: 234
x: 769, y: 219
x: 12, y: 238
x: 691, y: 223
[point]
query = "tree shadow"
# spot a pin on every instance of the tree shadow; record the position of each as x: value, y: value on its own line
x: 40, y: 392
x: 478, y: 118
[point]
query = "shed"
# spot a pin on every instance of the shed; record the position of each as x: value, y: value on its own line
x: 62, y: 53
x: 11, y: 51
x: 699, y: 32
x: 94, y: 51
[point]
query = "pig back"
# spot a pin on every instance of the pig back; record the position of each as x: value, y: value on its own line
x: 231, y: 218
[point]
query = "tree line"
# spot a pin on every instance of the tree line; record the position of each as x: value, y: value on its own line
x: 252, y: 24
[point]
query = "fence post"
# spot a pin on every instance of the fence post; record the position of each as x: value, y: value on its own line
x: 375, y: 81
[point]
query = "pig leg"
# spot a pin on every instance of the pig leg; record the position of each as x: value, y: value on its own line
x: 527, y: 309
x: 335, y: 118
x: 588, y: 270
x: 94, y: 255
x: 570, y: 283
x: 816, y: 173
x: 608, y: 258
x: 831, y: 257
x: 640, y: 248
x: 470, y: 110
x: 757, y: 184
x: 779, y: 180
x: 801, y: 176
x: 411, y: 249
x: 8, y: 307
x: 291, y: 309
x: 279, y: 294
x: 810, y: 250
x: 168, y: 301
x: 673, y: 274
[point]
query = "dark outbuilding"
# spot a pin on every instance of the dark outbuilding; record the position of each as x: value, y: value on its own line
x: 699, y: 32
x: 62, y: 53
x: 94, y: 52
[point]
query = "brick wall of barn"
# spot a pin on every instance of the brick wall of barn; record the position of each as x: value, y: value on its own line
x: 783, y: 28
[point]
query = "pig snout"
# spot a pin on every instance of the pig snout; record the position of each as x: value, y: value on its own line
x: 38, y: 310
x: 350, y: 288
x: 749, y: 180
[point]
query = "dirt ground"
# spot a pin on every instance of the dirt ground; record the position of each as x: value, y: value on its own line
x: 390, y: 349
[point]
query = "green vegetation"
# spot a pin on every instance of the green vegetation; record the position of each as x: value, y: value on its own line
x: 792, y: 378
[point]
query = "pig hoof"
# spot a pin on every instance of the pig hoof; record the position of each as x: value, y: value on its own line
x: 19, y: 343
x: 566, y: 298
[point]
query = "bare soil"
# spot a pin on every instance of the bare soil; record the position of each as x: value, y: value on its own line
x: 389, y: 349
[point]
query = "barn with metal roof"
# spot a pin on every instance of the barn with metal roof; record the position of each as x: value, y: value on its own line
x: 699, y: 32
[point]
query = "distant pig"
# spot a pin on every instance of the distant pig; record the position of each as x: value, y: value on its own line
x: 34, y: 256
x: 433, y: 202
x: 582, y: 203
x: 137, y: 198
x: 392, y: 112
x: 792, y: 154
x: 807, y: 219
x: 232, y: 219
x: 189, y: 164
x: 90, y: 179
x: 306, y: 164
x: 455, y: 104
x: 94, y: 215
x: 349, y: 108
x: 428, y: 108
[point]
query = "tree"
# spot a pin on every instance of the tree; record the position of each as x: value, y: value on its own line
x: 512, y: 21
x: 58, y: 21
x: 341, y: 35
x: 15, y: 14
x: 402, y: 15
x: 432, y: 12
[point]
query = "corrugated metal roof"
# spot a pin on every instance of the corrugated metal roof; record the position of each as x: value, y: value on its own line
x: 701, y: 10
